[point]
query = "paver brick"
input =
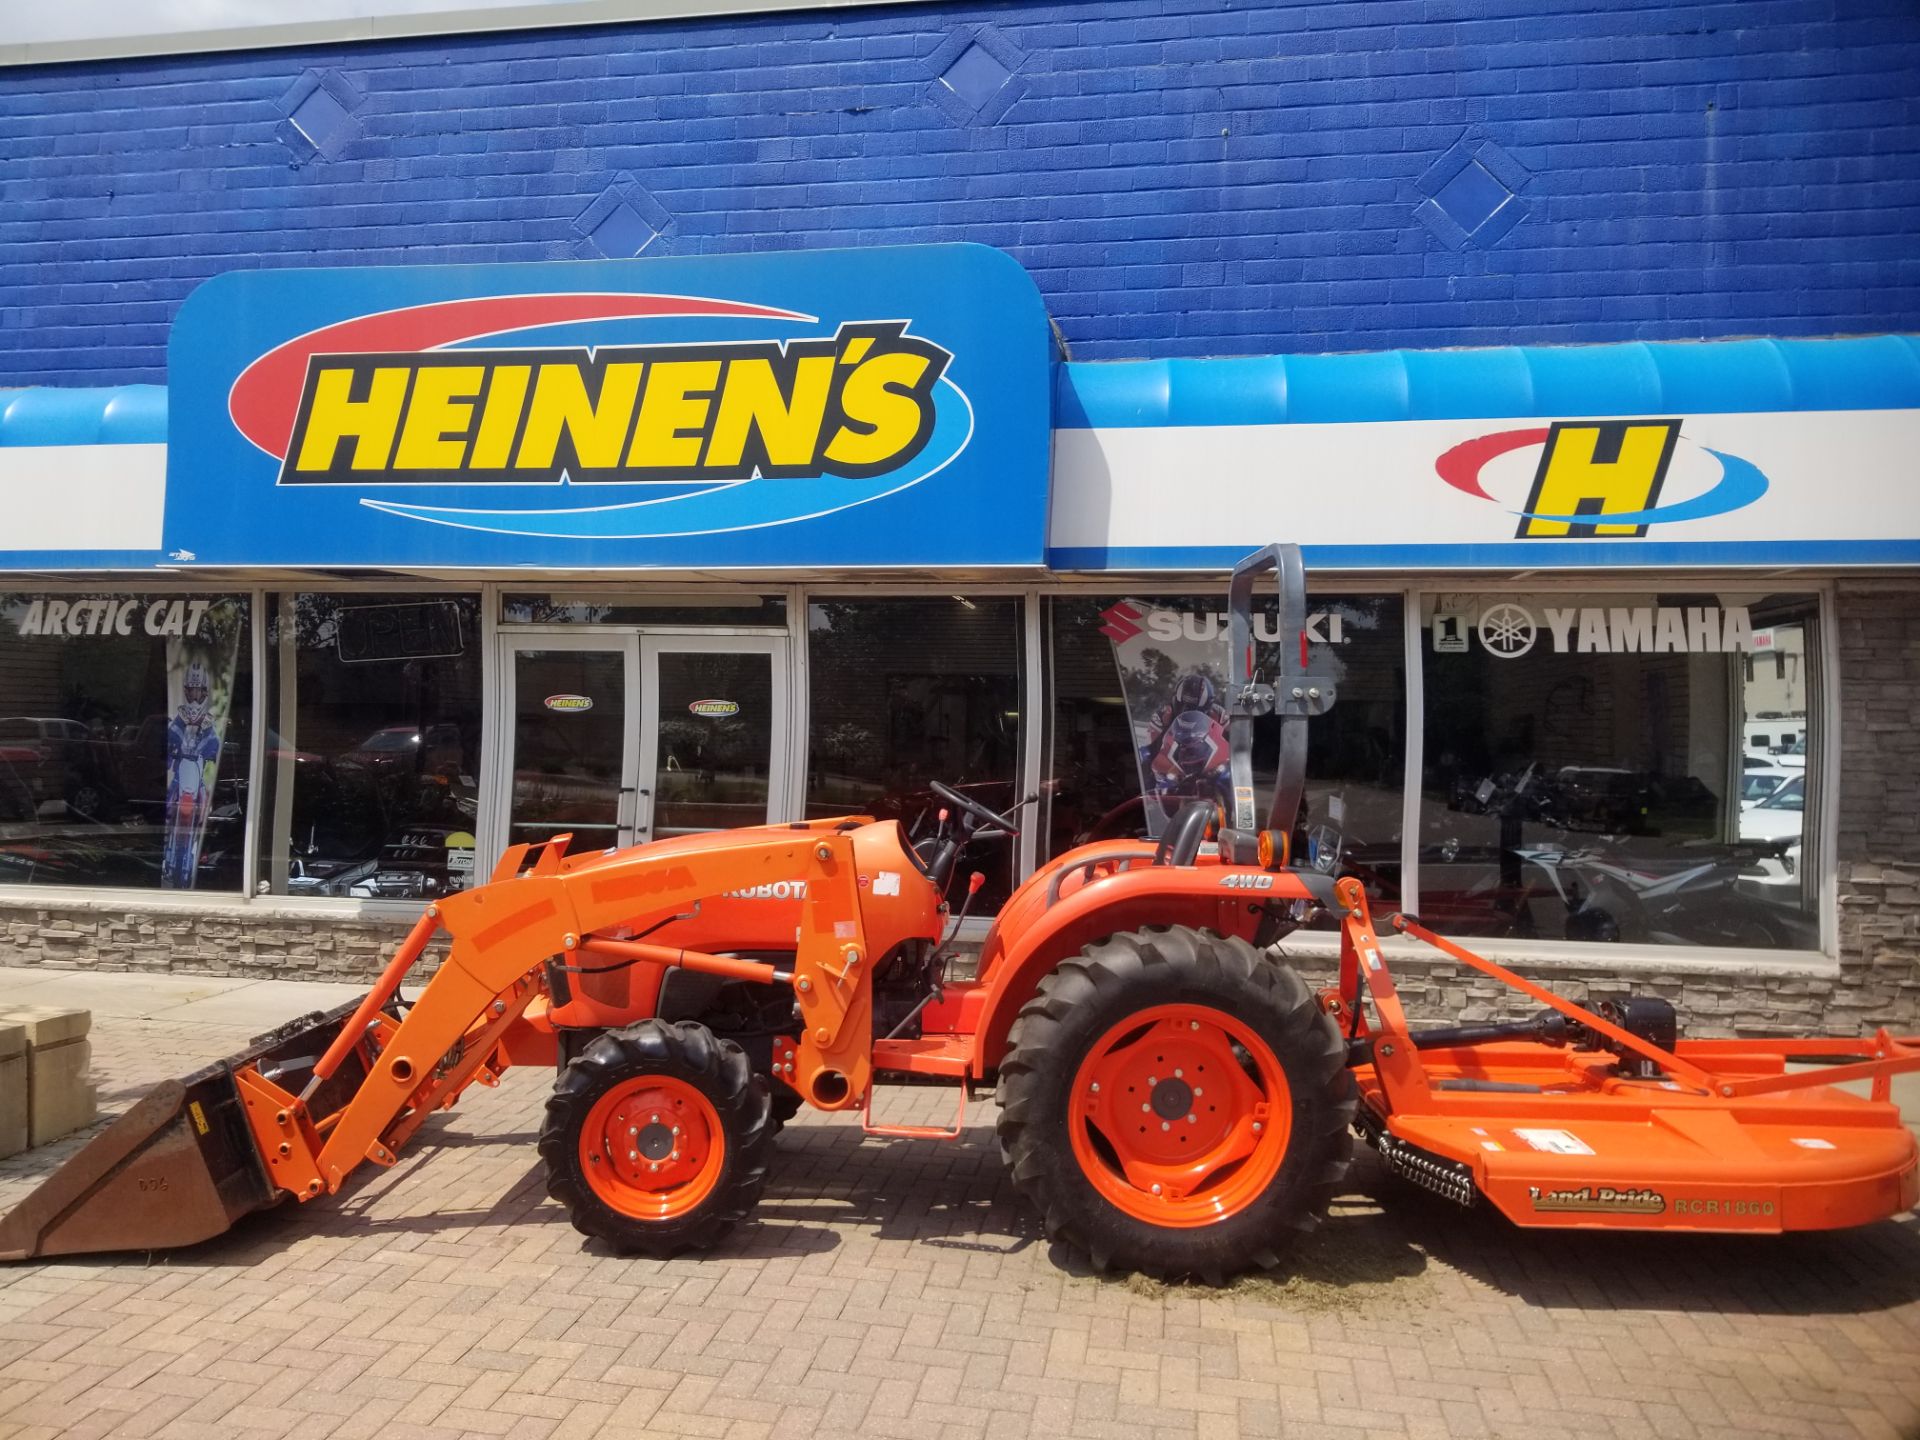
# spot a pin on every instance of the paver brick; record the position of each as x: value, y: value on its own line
x: 447, y: 1297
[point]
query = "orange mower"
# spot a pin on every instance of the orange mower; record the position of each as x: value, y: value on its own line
x: 1173, y: 1096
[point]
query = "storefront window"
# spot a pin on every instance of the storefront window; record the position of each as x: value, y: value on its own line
x: 904, y: 691
x: 373, y: 759
x: 125, y: 725
x: 1138, y: 724
x: 1614, y: 767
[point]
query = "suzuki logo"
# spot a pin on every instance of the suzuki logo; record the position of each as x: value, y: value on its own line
x: 1123, y: 622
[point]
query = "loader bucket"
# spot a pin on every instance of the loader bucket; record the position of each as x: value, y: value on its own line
x: 179, y: 1167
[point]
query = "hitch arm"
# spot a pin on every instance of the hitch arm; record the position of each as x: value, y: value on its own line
x: 1681, y: 1069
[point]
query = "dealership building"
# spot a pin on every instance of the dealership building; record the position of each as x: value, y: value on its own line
x: 426, y: 435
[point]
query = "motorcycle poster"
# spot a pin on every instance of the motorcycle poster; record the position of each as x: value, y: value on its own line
x: 200, y: 670
x: 1175, y: 694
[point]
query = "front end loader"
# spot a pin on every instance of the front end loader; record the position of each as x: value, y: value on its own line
x: 1173, y: 1096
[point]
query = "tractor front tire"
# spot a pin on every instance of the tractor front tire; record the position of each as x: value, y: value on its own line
x: 1174, y: 1102
x: 657, y: 1138
x: 786, y: 1104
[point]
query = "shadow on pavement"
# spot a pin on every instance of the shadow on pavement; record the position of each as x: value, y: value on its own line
x: 1382, y: 1240
x: 1840, y: 1272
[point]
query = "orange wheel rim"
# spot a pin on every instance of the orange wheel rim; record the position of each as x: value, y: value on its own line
x: 1180, y: 1115
x: 653, y: 1147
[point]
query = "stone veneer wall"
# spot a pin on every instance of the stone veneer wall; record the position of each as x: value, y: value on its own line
x: 1880, y: 985
x: 1879, y: 835
x: 263, y: 941
x: 1877, y: 980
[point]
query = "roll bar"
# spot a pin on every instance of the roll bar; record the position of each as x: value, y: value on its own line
x: 1295, y: 695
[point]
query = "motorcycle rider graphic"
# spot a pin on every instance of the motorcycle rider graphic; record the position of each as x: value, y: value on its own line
x: 193, y: 750
x: 1185, y: 756
x: 1194, y: 693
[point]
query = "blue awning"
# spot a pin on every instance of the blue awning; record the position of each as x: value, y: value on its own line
x: 120, y: 415
x: 1880, y: 372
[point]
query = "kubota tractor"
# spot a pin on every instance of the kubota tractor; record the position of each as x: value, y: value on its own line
x: 1173, y: 1097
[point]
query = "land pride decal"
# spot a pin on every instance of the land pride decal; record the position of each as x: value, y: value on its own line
x: 1603, y: 1199
x: 855, y: 404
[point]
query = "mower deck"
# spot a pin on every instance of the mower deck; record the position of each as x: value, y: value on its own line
x: 1579, y: 1146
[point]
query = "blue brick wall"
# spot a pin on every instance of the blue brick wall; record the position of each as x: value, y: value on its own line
x: 1183, y: 177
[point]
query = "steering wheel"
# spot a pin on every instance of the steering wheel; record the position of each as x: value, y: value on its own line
x: 973, y: 807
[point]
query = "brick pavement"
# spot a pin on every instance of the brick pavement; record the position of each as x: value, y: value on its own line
x: 899, y: 1289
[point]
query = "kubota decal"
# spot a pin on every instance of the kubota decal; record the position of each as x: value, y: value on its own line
x: 727, y: 434
x: 1600, y: 479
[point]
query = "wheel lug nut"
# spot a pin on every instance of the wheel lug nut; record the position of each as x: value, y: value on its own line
x: 633, y: 1155
x: 1257, y: 1127
x: 1096, y: 1087
x: 1156, y: 1189
x: 1193, y: 1024
x: 1178, y: 1074
x: 1198, y: 1092
x: 1151, y: 1080
x: 1193, y: 1119
x: 1165, y: 1125
x: 1146, y: 1108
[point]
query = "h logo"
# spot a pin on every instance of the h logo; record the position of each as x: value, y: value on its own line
x: 1597, y: 468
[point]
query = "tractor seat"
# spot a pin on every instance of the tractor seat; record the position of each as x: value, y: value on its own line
x: 1180, y: 842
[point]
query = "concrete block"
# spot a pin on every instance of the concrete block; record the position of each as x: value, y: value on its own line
x: 14, y: 1128
x: 59, y: 1096
x: 48, y: 1025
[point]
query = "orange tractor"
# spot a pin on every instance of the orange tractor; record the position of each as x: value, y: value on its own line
x: 1173, y: 1097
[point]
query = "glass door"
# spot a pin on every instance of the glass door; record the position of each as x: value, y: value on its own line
x: 573, y: 749
x: 714, y: 743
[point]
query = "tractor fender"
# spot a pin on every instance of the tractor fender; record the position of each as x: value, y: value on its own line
x: 1052, y: 917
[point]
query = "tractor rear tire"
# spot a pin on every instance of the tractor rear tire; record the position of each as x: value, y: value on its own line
x: 1179, y: 1056
x: 657, y: 1138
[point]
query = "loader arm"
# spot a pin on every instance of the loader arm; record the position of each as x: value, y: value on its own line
x: 239, y: 1136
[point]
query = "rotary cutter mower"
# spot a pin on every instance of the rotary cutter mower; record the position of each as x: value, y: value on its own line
x: 1172, y: 1096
